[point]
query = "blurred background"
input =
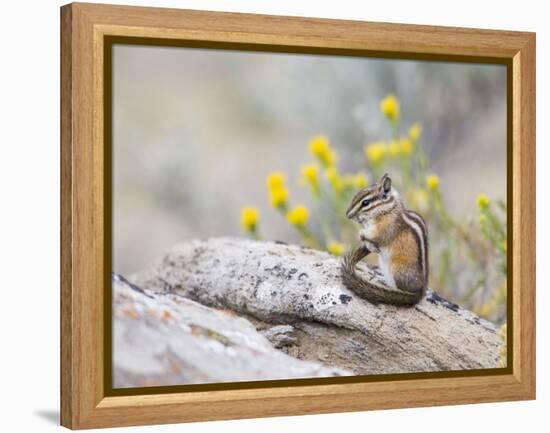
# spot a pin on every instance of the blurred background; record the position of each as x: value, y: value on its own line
x: 197, y: 132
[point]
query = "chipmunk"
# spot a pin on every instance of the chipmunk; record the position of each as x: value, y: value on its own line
x: 399, y: 236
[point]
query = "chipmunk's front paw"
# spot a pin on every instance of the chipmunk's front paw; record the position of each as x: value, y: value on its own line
x: 373, y: 248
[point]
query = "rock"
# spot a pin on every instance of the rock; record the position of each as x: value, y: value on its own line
x: 276, y: 284
x: 281, y: 336
x: 165, y: 339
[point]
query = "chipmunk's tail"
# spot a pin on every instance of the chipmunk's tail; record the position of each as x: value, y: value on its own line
x: 373, y: 292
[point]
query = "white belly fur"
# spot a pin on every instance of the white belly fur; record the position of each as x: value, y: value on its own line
x: 384, y: 263
x: 368, y: 231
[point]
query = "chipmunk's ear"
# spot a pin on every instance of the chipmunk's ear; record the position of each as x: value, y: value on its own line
x: 385, y: 183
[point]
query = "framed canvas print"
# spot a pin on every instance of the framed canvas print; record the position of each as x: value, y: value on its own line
x: 267, y: 215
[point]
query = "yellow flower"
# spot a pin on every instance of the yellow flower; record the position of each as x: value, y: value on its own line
x: 298, y: 216
x: 334, y: 179
x: 276, y: 180
x: 483, y: 201
x: 319, y: 145
x: 320, y: 148
x: 279, y: 197
x: 390, y: 107
x: 250, y: 216
x: 393, y: 148
x: 361, y: 180
x: 276, y: 183
x: 401, y: 147
x: 406, y: 147
x: 432, y: 182
x: 336, y: 248
x: 504, y: 246
x: 310, y: 173
x: 415, y: 131
x: 375, y: 152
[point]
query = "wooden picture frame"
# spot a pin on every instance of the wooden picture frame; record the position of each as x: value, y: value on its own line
x: 85, y: 211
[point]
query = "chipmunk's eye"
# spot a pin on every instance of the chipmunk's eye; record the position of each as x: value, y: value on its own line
x: 365, y: 202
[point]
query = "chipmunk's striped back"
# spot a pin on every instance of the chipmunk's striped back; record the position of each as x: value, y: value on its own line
x: 418, y: 225
x: 399, y: 236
